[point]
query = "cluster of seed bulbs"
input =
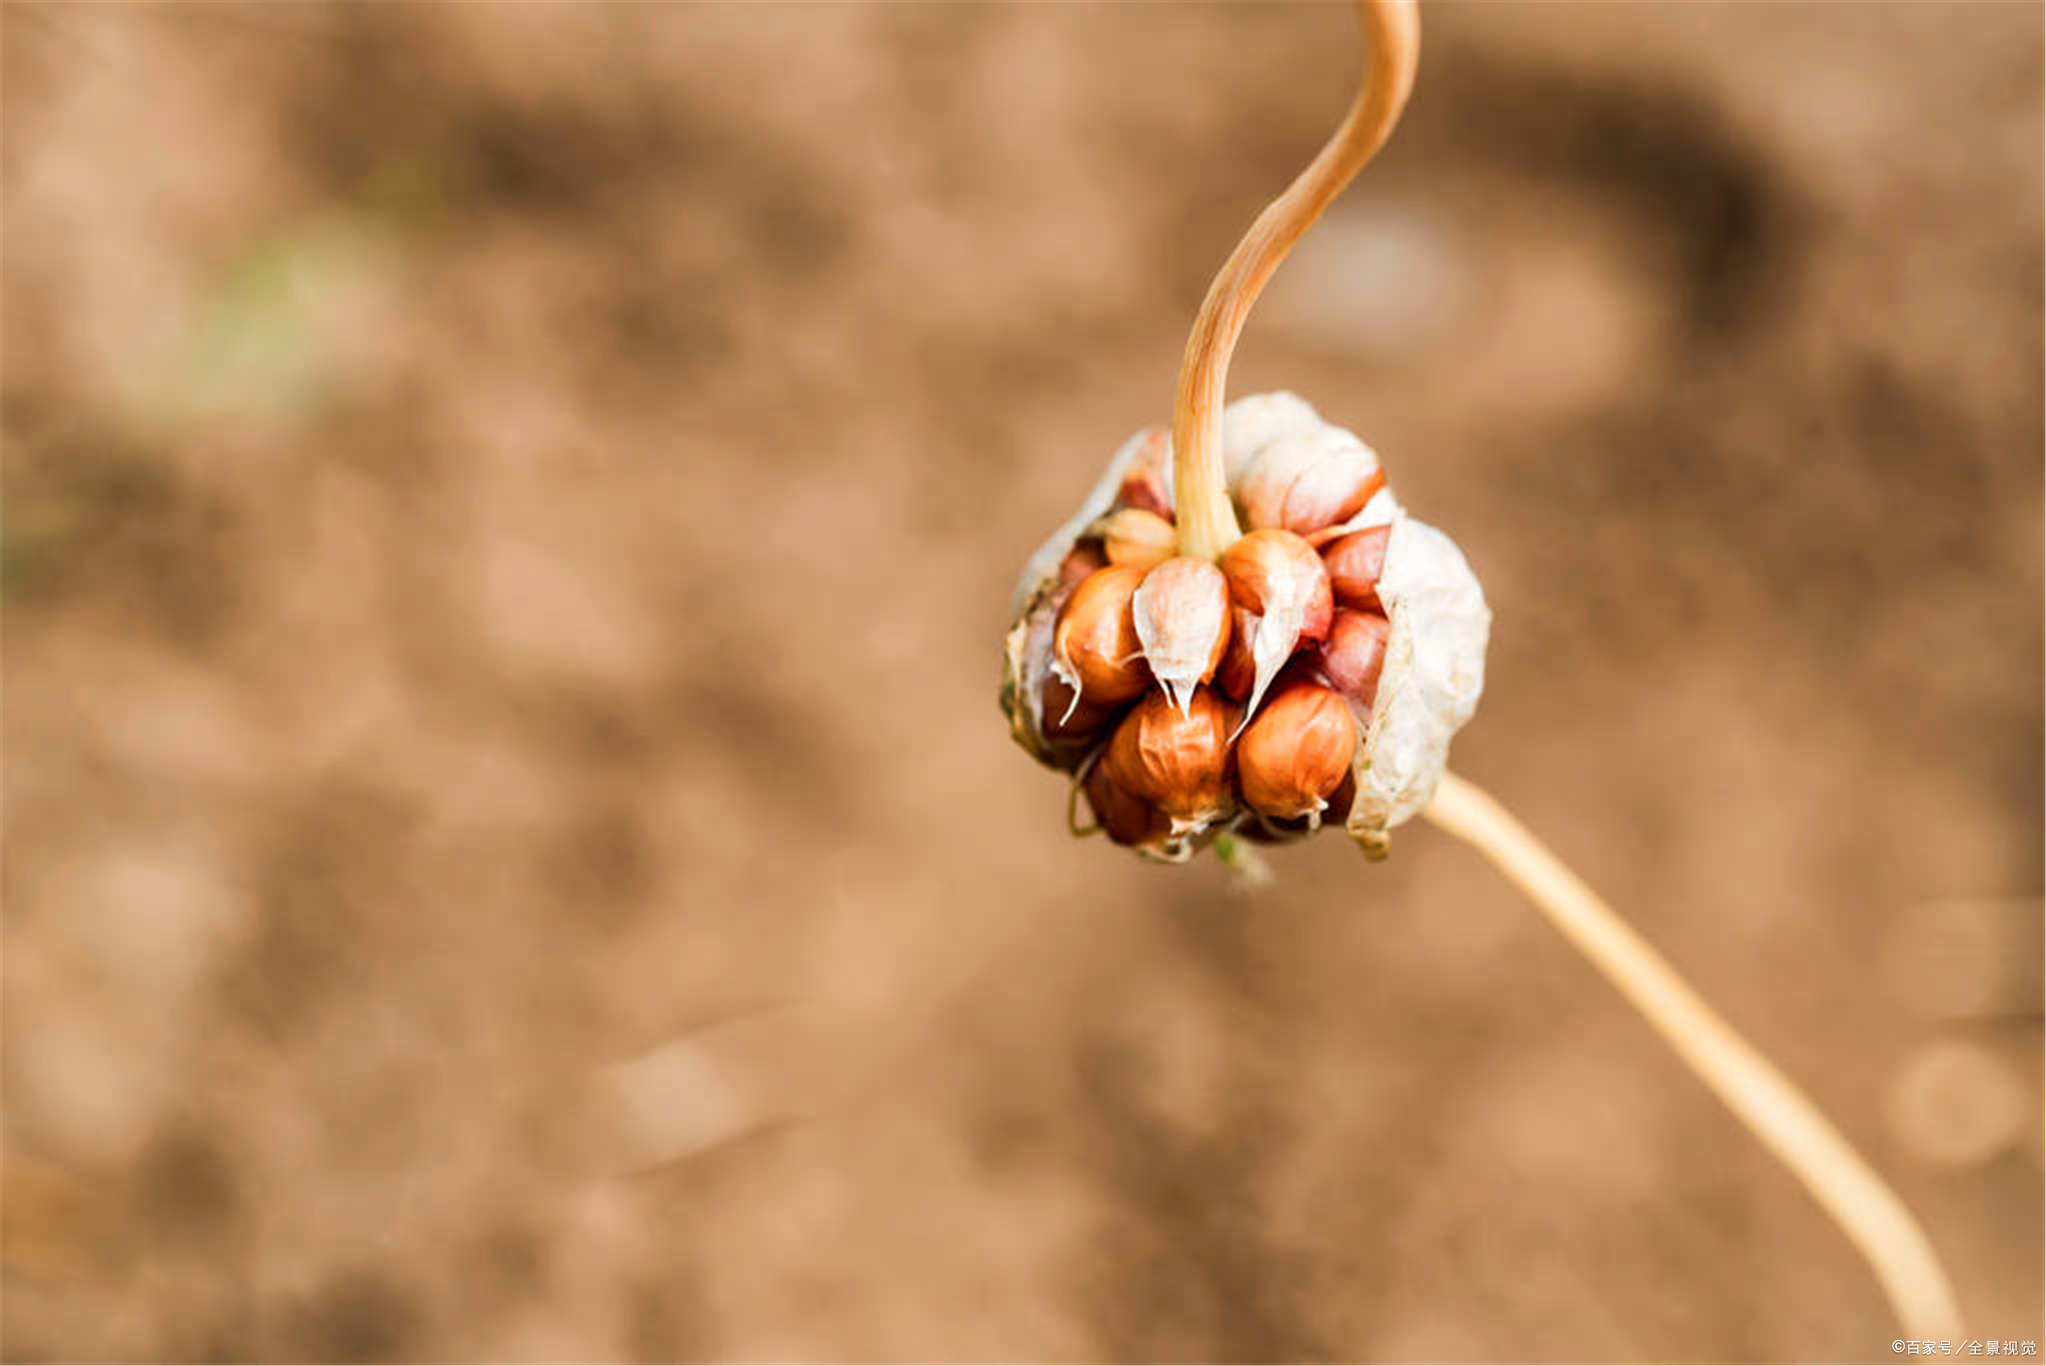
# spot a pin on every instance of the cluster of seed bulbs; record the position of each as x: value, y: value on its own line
x: 1190, y: 698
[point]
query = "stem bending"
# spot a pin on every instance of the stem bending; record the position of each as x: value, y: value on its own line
x: 1781, y: 1117
x: 1392, y: 48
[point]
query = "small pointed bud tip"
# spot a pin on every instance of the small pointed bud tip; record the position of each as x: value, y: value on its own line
x: 1181, y: 613
x: 1275, y: 576
x: 1271, y: 568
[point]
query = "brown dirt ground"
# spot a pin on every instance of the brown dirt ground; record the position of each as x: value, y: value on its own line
x: 509, y: 511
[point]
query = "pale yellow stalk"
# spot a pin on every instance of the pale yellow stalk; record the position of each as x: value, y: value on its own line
x: 1761, y: 1097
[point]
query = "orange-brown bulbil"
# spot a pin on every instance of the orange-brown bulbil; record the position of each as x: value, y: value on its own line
x: 1182, y: 620
x: 1297, y: 751
x: 1354, y: 563
x: 1127, y: 818
x: 1274, y: 571
x: 1134, y: 536
x: 1276, y: 577
x: 1354, y: 655
x: 1095, y: 648
x: 1178, y: 761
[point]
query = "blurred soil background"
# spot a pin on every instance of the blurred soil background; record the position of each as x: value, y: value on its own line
x: 510, y: 849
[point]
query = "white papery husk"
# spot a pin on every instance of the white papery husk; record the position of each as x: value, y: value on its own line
x: 1033, y: 611
x: 1434, y: 673
x: 1434, y: 667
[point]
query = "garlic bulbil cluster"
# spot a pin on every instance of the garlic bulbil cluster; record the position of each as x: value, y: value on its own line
x: 1313, y: 675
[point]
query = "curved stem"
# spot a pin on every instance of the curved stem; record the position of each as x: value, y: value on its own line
x: 1780, y: 1116
x: 1207, y: 523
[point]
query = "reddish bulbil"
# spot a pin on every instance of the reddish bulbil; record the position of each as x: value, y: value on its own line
x: 1354, y: 655
x: 1095, y: 648
x: 1355, y: 561
x: 1178, y: 761
x: 1297, y: 751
